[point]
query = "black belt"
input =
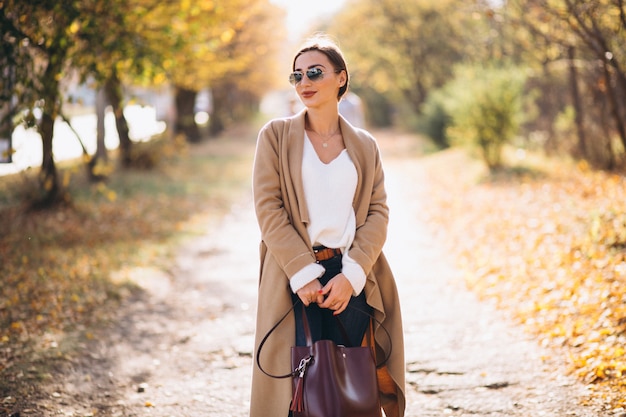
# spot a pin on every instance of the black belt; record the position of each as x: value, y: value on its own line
x: 322, y: 253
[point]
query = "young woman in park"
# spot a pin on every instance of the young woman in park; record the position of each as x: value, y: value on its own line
x: 320, y: 202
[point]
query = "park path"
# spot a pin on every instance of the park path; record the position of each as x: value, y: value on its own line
x: 183, y: 347
x: 464, y: 358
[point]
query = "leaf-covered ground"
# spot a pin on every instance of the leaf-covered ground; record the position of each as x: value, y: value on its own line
x: 545, y: 240
x: 62, y: 270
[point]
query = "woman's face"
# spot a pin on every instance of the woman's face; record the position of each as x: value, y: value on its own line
x: 323, y: 90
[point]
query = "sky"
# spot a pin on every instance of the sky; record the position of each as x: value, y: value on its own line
x: 301, y: 14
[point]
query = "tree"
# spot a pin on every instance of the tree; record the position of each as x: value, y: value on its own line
x: 410, y: 47
x: 41, y: 39
x: 194, y: 45
x: 588, y: 36
x: 600, y: 25
x: 250, y: 55
x: 120, y: 41
x: 219, y: 44
x: 8, y: 81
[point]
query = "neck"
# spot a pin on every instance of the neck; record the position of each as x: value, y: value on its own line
x: 322, y: 122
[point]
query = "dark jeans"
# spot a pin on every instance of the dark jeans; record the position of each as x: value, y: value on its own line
x: 323, y: 323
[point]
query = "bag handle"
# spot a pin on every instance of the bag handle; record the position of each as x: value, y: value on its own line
x: 307, y: 331
x: 309, y: 339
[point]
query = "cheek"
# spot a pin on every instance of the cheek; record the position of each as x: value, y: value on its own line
x: 333, y: 85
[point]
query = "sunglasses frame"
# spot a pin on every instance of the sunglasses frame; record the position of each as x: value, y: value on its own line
x: 313, y: 74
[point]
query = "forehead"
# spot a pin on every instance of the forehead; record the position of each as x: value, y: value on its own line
x: 311, y: 59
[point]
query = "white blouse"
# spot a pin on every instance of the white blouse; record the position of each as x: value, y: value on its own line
x: 329, y: 190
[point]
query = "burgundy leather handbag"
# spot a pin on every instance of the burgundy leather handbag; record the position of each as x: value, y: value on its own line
x: 331, y: 380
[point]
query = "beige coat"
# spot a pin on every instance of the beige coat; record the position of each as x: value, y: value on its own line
x: 285, y: 249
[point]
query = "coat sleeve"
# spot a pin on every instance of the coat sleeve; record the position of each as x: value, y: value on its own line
x: 372, y: 212
x: 271, y: 184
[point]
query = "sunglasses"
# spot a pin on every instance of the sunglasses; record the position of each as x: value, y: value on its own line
x: 312, y: 74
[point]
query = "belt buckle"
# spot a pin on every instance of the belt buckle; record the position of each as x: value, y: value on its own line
x: 320, y: 250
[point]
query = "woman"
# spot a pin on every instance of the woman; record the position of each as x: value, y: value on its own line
x: 320, y: 202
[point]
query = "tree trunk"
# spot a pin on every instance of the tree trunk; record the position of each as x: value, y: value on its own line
x: 221, y: 105
x: 546, y: 106
x: 48, y: 177
x: 113, y: 89
x: 7, y: 112
x: 620, y: 87
x: 614, y: 102
x: 100, y: 158
x: 185, y: 123
x: 101, y: 103
x: 578, y: 116
x: 6, y: 130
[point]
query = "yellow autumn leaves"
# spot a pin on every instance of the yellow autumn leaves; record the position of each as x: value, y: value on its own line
x: 548, y: 243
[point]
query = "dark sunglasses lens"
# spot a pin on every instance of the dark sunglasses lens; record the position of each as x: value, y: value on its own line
x: 295, y: 77
x: 314, y: 73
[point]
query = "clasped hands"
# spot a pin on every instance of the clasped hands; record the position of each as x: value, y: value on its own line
x: 335, y: 295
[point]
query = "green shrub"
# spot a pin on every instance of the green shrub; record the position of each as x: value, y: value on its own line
x: 434, y: 120
x: 485, y: 104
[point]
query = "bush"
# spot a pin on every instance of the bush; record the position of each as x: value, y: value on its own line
x: 149, y: 155
x: 434, y: 120
x: 485, y: 105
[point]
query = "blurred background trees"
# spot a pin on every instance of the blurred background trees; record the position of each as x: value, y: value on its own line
x: 542, y: 74
x: 118, y: 44
x: 573, y: 99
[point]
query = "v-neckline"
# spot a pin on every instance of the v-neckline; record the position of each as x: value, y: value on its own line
x: 308, y: 139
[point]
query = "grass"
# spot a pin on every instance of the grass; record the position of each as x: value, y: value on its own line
x: 60, y: 268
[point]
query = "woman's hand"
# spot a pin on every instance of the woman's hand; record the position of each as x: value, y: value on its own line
x: 311, y: 293
x: 338, y: 292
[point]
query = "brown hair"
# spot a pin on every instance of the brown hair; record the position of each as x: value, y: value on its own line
x: 328, y: 47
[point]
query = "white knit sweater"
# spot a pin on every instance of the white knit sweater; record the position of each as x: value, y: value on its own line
x: 329, y: 191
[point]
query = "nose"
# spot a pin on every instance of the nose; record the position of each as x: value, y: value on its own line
x: 305, y: 80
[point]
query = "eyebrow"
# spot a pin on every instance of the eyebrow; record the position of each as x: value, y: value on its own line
x: 311, y: 66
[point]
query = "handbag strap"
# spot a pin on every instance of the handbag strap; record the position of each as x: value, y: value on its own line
x: 309, y: 339
x: 307, y: 329
x: 267, y: 335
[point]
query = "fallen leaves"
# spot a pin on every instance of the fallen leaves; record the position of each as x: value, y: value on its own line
x: 549, y: 245
x: 58, y: 268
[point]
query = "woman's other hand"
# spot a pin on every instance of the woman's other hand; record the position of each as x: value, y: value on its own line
x: 336, y: 294
x: 311, y: 293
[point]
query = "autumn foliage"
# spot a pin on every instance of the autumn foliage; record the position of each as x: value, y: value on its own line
x: 546, y: 240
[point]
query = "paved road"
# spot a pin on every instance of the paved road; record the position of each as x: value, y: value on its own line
x: 184, y: 346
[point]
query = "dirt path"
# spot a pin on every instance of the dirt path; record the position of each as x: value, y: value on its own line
x: 463, y: 357
x: 183, y: 347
